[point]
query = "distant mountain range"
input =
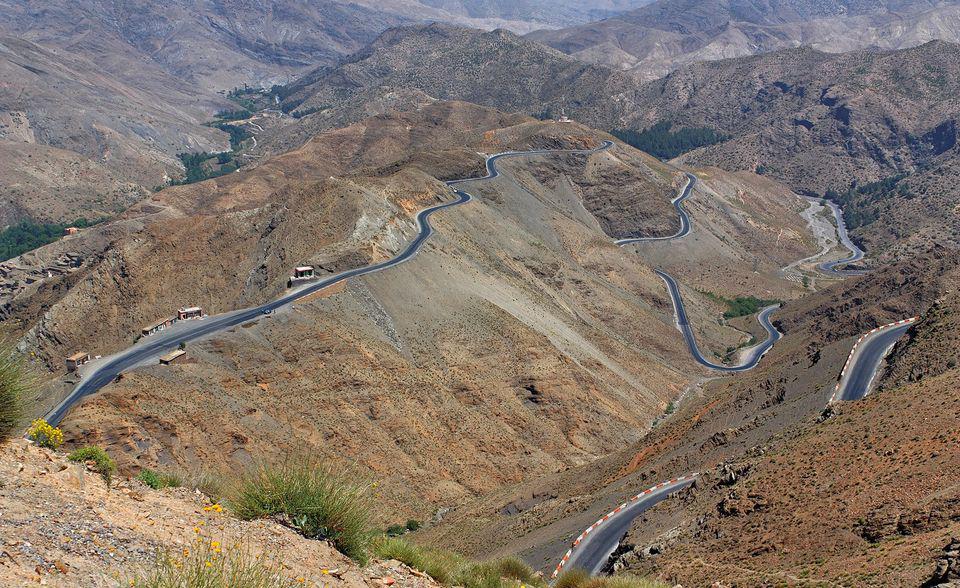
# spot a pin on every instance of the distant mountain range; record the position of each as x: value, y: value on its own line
x: 656, y: 39
x: 115, y: 90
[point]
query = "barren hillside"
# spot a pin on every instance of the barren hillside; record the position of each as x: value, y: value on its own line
x: 521, y: 328
x: 666, y: 35
x: 764, y: 421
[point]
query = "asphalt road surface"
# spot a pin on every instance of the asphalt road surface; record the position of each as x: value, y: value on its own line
x: 863, y: 367
x: 104, y: 371
x: 593, y: 551
x: 752, y: 357
x: 856, y: 254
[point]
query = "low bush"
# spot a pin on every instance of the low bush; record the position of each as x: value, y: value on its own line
x: 102, y: 463
x: 14, y: 385
x: 312, y: 499
x: 210, y: 566
x: 573, y: 578
x: 576, y: 578
x: 159, y: 481
x: 452, y: 569
x: 45, y: 435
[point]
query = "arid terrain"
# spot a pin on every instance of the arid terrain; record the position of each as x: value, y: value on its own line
x: 657, y: 39
x: 523, y: 373
x: 63, y: 526
x: 522, y: 328
x: 770, y: 466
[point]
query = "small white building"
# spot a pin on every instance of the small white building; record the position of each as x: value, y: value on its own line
x: 192, y: 312
x: 304, y: 272
x: 157, y: 326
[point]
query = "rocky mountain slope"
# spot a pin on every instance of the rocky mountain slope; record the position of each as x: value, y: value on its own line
x: 497, y: 69
x: 517, y: 15
x: 867, y: 497
x: 107, y: 94
x: 521, y: 328
x: 821, y: 122
x: 657, y: 39
x: 80, y: 141
x: 817, y: 121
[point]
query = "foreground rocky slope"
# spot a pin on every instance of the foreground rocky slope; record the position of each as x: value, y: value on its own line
x: 885, y: 469
x: 62, y: 525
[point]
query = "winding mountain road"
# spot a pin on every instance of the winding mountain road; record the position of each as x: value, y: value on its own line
x: 97, y: 375
x: 591, y: 550
x: 685, y: 224
x: 751, y: 357
x: 856, y: 254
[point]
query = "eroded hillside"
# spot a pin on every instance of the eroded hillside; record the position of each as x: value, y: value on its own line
x: 770, y: 465
x: 520, y: 329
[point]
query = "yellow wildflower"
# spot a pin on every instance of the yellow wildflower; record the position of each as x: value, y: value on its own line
x: 196, y: 529
x: 209, y: 564
x: 45, y: 435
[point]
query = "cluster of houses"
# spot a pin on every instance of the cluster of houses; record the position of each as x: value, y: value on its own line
x: 301, y: 273
x: 184, y: 314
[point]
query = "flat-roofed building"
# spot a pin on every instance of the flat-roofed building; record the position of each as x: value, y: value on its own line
x: 304, y: 272
x: 76, y: 360
x: 157, y: 326
x: 172, y: 357
x: 189, y: 313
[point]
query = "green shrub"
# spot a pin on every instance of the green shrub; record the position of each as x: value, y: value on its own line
x: 516, y: 569
x: 572, y: 578
x: 14, y: 386
x: 396, y: 530
x: 312, y: 499
x: 159, y: 481
x: 206, y: 566
x: 413, y: 525
x: 627, y: 581
x: 102, y: 463
x: 576, y: 578
x: 400, y: 550
x: 452, y: 569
